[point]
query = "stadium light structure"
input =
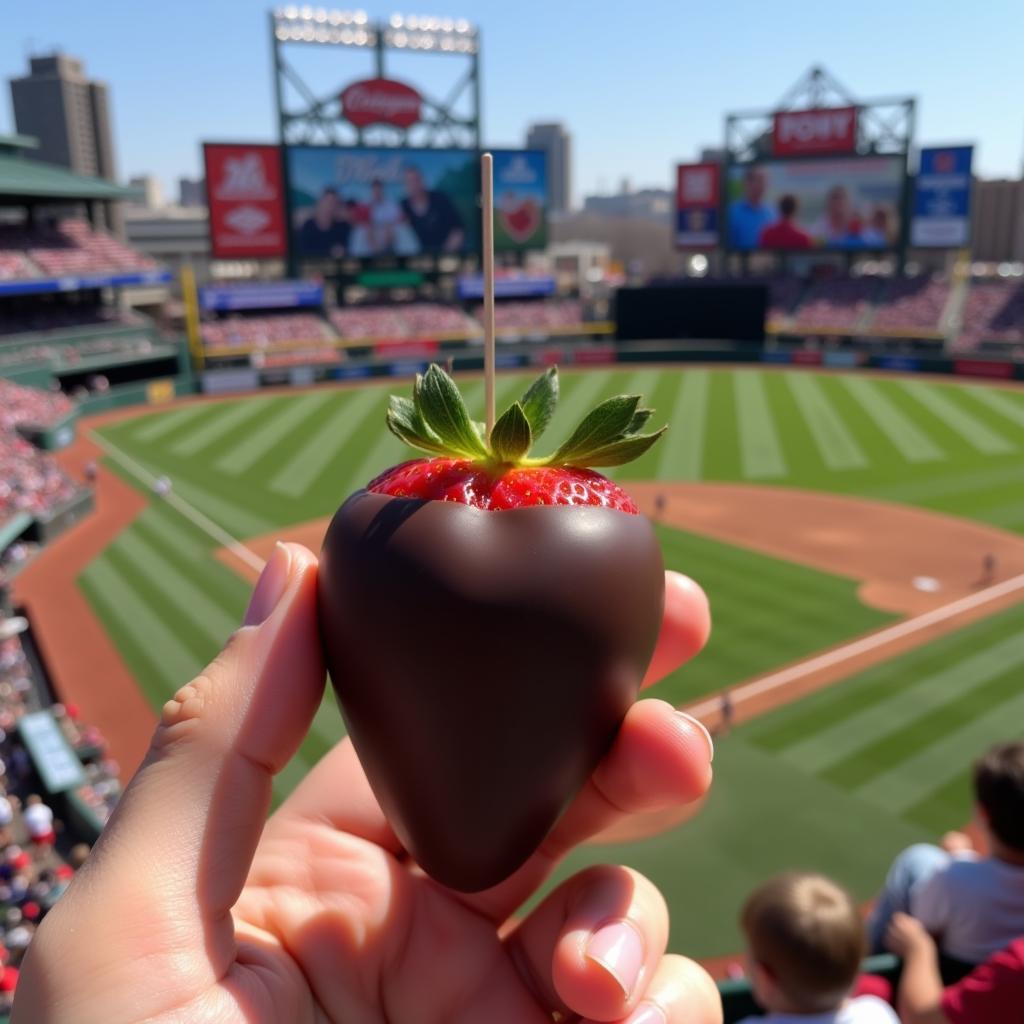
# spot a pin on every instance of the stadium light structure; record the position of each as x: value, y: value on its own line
x: 425, y: 33
x: 307, y: 117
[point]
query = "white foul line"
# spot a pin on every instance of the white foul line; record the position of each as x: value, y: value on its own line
x: 868, y: 643
x: 190, y: 512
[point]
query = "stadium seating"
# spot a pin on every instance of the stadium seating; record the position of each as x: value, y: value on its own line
x: 30, y: 480
x: 64, y: 248
x: 910, y: 304
x: 265, y: 331
x: 46, y: 317
x: 20, y: 406
x: 783, y: 294
x: 836, y: 305
x: 414, y: 320
x: 536, y: 317
x: 994, y: 312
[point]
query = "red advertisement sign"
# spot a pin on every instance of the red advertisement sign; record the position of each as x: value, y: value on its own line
x: 806, y: 132
x: 697, y: 205
x: 246, y: 196
x: 381, y: 101
x: 983, y: 368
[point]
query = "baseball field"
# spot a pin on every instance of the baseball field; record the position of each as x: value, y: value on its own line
x: 838, y: 522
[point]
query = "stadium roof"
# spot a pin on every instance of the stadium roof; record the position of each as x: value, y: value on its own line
x: 22, y: 179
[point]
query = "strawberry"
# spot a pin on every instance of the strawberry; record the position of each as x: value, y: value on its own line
x: 484, y: 662
x: 500, y: 474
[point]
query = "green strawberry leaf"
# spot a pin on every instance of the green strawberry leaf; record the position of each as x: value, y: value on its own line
x: 640, y: 417
x: 605, y: 423
x: 619, y: 452
x: 405, y: 423
x: 511, y: 437
x: 539, y: 401
x: 444, y: 412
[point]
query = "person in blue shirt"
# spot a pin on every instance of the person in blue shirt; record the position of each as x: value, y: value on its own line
x: 750, y: 215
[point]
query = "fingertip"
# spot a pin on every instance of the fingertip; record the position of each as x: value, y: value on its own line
x: 685, y: 626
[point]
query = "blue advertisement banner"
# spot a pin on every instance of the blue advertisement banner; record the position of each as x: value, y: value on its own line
x: 471, y: 286
x: 40, y: 285
x: 520, y: 199
x: 942, y: 198
x: 261, y: 295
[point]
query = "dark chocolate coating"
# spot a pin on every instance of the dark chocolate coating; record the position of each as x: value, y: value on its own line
x: 484, y: 662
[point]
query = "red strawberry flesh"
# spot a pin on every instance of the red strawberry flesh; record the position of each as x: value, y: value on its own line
x: 470, y: 483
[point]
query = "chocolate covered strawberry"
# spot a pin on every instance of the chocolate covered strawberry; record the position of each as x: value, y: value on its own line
x: 487, y: 617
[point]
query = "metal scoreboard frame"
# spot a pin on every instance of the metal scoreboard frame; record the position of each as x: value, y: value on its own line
x: 884, y: 127
x: 305, y: 118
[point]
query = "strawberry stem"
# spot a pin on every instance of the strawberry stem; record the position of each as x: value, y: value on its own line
x: 436, y: 420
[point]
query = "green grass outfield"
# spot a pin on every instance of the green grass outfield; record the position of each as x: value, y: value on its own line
x: 823, y: 782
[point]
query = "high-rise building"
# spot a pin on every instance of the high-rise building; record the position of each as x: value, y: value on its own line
x: 191, y: 191
x: 150, y: 191
x: 556, y: 142
x: 68, y: 114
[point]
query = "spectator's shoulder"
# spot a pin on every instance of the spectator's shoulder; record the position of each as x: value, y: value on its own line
x: 871, y: 1010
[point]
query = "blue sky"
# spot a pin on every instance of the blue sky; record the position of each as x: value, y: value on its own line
x: 639, y: 85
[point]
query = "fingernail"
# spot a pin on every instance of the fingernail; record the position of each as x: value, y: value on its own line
x: 619, y: 949
x: 270, y: 586
x: 648, y: 1013
x: 698, y: 724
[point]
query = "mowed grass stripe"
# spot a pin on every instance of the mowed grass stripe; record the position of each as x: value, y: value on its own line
x: 945, y: 806
x: 760, y: 449
x: 941, y: 403
x: 228, y: 416
x: 1005, y: 403
x: 682, y: 448
x: 834, y: 442
x: 206, y: 615
x: 904, y: 435
x: 286, y: 418
x: 951, y: 484
x: 135, y: 614
x: 862, y: 729
x: 239, y: 521
x: 322, y: 445
x: 935, y: 751
x: 152, y: 428
x: 837, y: 703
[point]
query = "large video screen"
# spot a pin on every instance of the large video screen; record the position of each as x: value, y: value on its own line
x: 849, y: 203
x: 373, y: 204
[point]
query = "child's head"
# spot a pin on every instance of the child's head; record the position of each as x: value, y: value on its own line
x: 805, y: 940
x: 999, y: 791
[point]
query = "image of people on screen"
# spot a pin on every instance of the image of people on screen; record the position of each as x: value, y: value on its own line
x: 431, y: 215
x: 327, y: 227
x: 838, y: 227
x: 750, y: 214
x: 784, y: 233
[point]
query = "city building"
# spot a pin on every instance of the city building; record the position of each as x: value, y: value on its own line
x: 67, y: 113
x: 647, y: 204
x: 149, y: 190
x: 997, y: 221
x: 557, y: 143
x: 191, y: 191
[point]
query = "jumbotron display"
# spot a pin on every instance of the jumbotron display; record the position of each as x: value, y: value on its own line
x: 370, y: 204
x: 837, y: 204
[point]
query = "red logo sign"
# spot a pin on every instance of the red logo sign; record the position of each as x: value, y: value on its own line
x: 381, y: 101
x: 800, y: 132
x: 246, y: 198
x: 520, y: 219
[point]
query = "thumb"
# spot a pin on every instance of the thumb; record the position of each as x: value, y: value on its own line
x: 175, y: 854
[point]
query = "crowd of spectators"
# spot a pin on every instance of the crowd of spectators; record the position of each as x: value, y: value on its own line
x: 993, y: 312
x: 954, y: 913
x: 264, y: 331
x: 912, y: 303
x: 30, y: 480
x: 413, y: 320
x: 40, y: 316
x: 838, y: 304
x: 39, y: 853
x: 525, y: 317
x: 61, y: 248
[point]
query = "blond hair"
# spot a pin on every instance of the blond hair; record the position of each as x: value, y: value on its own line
x: 806, y: 932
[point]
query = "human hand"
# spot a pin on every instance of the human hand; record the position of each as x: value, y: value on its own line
x: 192, y: 907
x: 957, y: 842
x: 906, y: 936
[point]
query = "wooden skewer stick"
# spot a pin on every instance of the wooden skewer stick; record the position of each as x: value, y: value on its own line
x: 487, y: 193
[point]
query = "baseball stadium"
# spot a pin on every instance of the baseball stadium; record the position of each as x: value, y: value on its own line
x: 843, y: 470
